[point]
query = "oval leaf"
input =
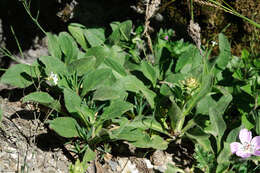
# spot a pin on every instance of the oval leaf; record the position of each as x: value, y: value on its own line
x: 65, y: 126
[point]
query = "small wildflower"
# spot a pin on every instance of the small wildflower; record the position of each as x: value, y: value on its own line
x: 248, y: 146
x: 214, y: 43
x: 166, y: 38
x: 53, y: 77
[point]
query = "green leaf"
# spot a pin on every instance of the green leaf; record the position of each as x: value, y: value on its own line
x: 137, y: 136
x: 100, y: 53
x: 155, y: 141
x: 149, y: 123
x: 19, y: 75
x: 131, y: 83
x: 149, y: 72
x: 116, y: 109
x: 200, y: 137
x: 246, y: 122
x: 52, y: 64
x: 224, y: 158
x: 65, y: 126
x: 94, y: 79
x: 225, y: 52
x: 216, y: 118
x: 72, y: 100
x: 247, y: 89
x: 233, y: 134
x: 121, y: 31
x: 188, y: 60
x: 115, y: 66
x: 53, y: 46
x: 89, y: 155
x: 68, y: 47
x: 175, y: 114
x: 77, y: 31
x: 204, y: 104
x: 95, y: 36
x: 83, y: 65
x: 217, y: 122
x: 109, y: 93
x: 44, y: 99
x: 257, y: 120
x: 173, y: 169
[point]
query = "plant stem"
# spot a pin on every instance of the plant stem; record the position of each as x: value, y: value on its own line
x: 34, y: 19
x: 232, y: 11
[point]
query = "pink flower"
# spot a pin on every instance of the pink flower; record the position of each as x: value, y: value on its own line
x: 248, y: 146
x: 166, y: 38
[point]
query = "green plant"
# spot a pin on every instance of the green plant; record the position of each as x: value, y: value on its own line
x: 101, y: 89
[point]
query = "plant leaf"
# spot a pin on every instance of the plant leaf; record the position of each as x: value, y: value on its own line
x: 225, y: 52
x: 188, y: 60
x: 53, y: 45
x: 68, y: 47
x: 149, y: 72
x: 65, y: 126
x: 72, y: 101
x: 95, y: 36
x: 121, y: 31
x: 77, y: 31
x: 200, y: 137
x: 19, y: 75
x: 94, y: 79
x: 137, y: 136
x: 216, y: 117
x: 52, y: 64
x: 131, y: 83
x: 109, y: 93
x: 115, y: 66
x: 83, y: 65
x: 44, y: 99
x: 116, y: 109
x: 175, y: 114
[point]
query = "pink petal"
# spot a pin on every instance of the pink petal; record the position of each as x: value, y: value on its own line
x: 245, y: 136
x: 242, y: 154
x: 256, y: 153
x: 256, y: 142
x: 234, y: 147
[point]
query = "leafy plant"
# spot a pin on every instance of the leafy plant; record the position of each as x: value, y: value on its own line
x: 106, y: 89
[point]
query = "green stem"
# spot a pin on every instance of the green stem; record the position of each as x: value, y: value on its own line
x: 35, y: 20
x: 191, y: 10
x: 232, y: 11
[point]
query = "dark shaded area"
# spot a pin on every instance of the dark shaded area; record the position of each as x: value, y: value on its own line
x: 25, y: 114
x: 90, y: 13
x: 12, y: 13
x: 15, y: 94
x: 50, y: 141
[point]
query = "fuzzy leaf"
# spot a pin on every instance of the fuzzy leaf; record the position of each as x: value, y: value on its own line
x: 44, y: 99
x: 65, y: 126
x: 77, y: 31
x: 95, y: 36
x: 53, y: 45
x: 68, y: 47
x: 19, y: 75
x: 72, y: 100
